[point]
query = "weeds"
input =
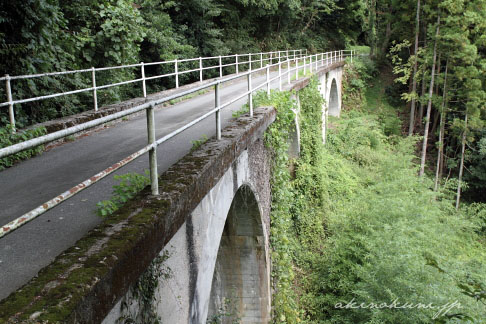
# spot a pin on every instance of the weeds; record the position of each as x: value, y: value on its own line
x: 129, y: 185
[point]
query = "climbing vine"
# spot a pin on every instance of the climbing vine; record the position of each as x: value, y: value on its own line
x: 140, y: 306
x: 297, y: 216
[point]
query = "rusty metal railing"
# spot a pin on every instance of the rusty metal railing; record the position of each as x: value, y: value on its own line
x: 261, y: 58
x: 309, y: 62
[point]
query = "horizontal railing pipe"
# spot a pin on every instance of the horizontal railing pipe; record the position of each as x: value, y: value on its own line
x: 149, y: 107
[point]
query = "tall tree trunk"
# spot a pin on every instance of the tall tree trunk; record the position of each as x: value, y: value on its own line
x: 429, y: 103
x: 438, y: 72
x: 420, y: 117
x: 436, y: 113
x: 436, y: 121
x: 414, y: 77
x: 441, y: 129
x: 461, y: 167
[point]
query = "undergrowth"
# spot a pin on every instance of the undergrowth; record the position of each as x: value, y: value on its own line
x: 7, y: 139
x: 354, y: 223
x: 129, y: 185
x: 140, y: 306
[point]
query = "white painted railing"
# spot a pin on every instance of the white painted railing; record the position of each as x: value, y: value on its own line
x: 300, y: 64
x: 251, y: 58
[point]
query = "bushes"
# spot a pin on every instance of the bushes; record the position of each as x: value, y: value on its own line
x: 7, y: 139
x: 355, y: 79
x: 381, y: 232
x: 356, y: 223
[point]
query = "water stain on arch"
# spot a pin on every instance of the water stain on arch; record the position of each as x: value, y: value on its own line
x: 239, y: 288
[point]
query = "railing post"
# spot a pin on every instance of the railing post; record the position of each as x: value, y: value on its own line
x: 310, y: 63
x: 249, y: 61
x: 268, y: 80
x: 270, y: 61
x: 250, y: 95
x: 261, y: 60
x: 296, y: 68
x: 280, y: 76
x: 237, y: 64
x: 95, y: 98
x: 220, y: 68
x: 217, y: 99
x: 327, y: 58
x: 10, y: 104
x: 288, y: 70
x: 200, y: 70
x: 144, y: 86
x: 176, y: 71
x: 154, y: 181
x: 279, y: 57
x: 305, y: 66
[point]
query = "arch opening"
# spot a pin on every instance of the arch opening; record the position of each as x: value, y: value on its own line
x: 240, y: 284
x: 334, y: 108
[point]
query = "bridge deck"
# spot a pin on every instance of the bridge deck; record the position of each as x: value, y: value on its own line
x: 30, y: 183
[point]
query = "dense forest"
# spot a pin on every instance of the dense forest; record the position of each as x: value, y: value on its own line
x: 50, y: 35
x: 437, y: 50
x: 399, y: 189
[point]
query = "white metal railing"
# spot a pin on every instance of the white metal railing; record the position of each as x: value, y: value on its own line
x: 300, y: 64
x: 261, y: 58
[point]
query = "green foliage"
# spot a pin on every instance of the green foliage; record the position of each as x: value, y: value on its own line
x: 227, y: 313
x: 197, y: 143
x: 357, y: 76
x: 475, y: 174
x: 7, y: 139
x: 476, y: 213
x: 380, y: 231
x: 354, y: 222
x: 243, y: 110
x: 284, y: 308
x: 129, y: 185
x: 141, y: 307
x: 77, y: 35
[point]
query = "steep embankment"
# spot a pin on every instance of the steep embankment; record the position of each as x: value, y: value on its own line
x: 353, y: 222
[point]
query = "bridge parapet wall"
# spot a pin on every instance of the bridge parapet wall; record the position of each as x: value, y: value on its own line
x: 85, y: 282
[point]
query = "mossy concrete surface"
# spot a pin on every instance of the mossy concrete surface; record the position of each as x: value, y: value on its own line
x: 84, y: 283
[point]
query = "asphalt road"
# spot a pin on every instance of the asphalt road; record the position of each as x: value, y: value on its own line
x: 32, y: 182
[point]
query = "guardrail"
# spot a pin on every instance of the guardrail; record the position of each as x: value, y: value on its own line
x: 311, y: 62
x: 250, y: 58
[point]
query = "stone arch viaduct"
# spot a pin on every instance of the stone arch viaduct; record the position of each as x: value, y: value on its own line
x: 211, y: 222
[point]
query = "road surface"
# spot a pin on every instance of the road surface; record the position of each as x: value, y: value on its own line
x: 32, y: 182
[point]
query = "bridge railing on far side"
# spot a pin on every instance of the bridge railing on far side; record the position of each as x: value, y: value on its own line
x: 288, y: 65
x: 236, y: 60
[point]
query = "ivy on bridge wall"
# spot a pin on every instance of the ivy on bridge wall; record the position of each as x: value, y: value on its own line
x: 298, y: 196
